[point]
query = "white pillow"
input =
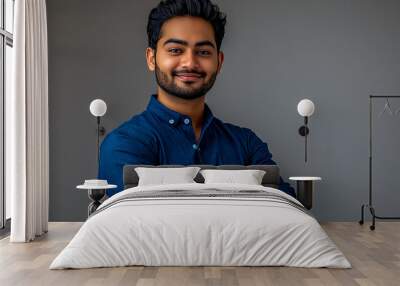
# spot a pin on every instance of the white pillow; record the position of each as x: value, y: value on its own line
x: 248, y: 177
x: 164, y: 176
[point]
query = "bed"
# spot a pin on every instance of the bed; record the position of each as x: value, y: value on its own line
x: 201, y: 224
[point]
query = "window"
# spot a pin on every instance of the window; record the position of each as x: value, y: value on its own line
x: 6, y: 63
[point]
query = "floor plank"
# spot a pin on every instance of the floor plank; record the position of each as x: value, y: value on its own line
x: 375, y: 257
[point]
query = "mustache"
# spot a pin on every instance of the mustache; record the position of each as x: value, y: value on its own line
x: 199, y: 73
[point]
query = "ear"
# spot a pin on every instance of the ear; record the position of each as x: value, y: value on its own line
x: 220, y: 60
x: 151, y: 58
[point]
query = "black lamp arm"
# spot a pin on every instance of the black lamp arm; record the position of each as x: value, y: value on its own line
x: 100, y: 132
x: 303, y: 130
x: 100, y: 129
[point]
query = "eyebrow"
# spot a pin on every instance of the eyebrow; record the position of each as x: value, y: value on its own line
x: 184, y: 43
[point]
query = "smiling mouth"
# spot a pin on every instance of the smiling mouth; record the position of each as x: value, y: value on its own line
x: 189, y: 77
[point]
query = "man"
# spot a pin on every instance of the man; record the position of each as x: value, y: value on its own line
x: 177, y: 127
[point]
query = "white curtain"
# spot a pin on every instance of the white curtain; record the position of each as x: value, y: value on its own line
x: 27, y: 135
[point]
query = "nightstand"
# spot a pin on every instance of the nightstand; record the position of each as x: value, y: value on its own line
x: 96, y: 190
x: 305, y: 190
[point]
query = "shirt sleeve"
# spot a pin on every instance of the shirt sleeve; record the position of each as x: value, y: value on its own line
x: 259, y: 154
x: 119, y: 149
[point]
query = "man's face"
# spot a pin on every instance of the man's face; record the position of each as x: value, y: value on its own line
x: 186, y: 61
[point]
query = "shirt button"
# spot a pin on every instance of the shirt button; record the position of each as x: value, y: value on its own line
x: 171, y: 121
x: 187, y: 121
x: 195, y: 146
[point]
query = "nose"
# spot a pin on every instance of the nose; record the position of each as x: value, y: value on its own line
x: 189, y: 60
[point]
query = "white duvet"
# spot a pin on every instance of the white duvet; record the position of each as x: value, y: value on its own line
x: 185, y: 231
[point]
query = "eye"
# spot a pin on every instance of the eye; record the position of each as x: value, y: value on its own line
x: 204, y: 53
x: 175, y: 51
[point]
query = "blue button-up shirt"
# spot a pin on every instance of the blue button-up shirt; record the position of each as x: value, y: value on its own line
x: 161, y: 136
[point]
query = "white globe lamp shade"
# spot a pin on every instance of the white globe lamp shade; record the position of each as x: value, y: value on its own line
x: 98, y: 107
x: 305, y: 107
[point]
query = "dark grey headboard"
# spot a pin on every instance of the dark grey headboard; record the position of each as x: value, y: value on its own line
x: 270, y: 179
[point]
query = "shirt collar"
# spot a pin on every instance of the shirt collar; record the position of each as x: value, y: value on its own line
x: 172, y: 117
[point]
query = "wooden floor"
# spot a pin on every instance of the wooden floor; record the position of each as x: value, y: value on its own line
x: 375, y: 257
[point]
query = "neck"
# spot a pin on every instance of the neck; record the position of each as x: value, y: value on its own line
x: 194, y: 108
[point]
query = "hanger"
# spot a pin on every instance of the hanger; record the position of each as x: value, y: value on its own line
x: 388, y: 108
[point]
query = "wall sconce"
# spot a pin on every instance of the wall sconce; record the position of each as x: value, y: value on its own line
x: 305, y: 108
x: 98, y: 108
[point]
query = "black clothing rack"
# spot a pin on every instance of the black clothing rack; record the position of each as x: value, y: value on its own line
x: 369, y: 205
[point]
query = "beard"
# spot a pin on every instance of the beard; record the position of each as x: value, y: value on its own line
x: 169, y: 86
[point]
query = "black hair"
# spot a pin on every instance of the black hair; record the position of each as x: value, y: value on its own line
x: 167, y: 9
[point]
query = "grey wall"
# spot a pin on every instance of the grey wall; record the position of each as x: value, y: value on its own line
x: 276, y: 53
